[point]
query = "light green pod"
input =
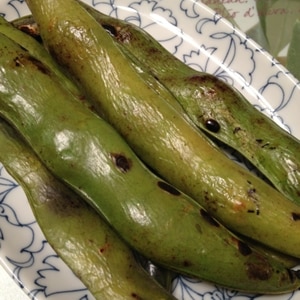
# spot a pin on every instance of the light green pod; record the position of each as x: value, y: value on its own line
x: 28, y: 42
x: 92, y: 250
x: 215, y: 107
x: 160, y: 135
x: 153, y: 217
x: 27, y: 25
x: 164, y: 276
x: 16, y: 31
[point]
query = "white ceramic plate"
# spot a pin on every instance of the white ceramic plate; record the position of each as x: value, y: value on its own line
x: 206, y: 42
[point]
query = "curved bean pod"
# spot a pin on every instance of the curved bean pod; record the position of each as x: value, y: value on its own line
x: 28, y: 25
x: 160, y: 135
x: 153, y: 217
x: 92, y: 250
x: 215, y: 107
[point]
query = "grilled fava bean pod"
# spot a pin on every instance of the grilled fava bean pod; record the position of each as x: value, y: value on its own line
x: 28, y: 41
x: 75, y: 231
x: 215, y: 107
x: 160, y: 135
x: 163, y: 276
x: 227, y: 116
x: 153, y: 217
x: 27, y: 25
x: 35, y: 49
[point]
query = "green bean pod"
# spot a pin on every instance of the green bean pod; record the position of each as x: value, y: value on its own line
x: 160, y: 135
x: 215, y: 107
x: 153, y: 217
x: 92, y: 250
x: 30, y: 43
x: 27, y: 24
x: 228, y: 116
x: 16, y: 31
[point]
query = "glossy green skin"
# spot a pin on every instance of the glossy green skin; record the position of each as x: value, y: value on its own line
x: 35, y: 48
x: 31, y: 41
x: 160, y: 135
x: 272, y: 150
x: 93, y: 251
x: 155, y: 219
x: 163, y: 276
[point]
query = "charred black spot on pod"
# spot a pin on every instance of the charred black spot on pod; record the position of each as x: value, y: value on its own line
x: 187, y: 263
x: 212, y: 125
x: 244, y: 249
x: 135, y: 296
x: 121, y: 34
x: 197, y: 79
x: 251, y: 192
x: 296, y: 216
x: 209, y: 81
x: 41, y: 67
x: 265, y: 145
x: 32, y: 30
x: 23, y: 60
x: 110, y: 29
x: 259, y: 271
x: 168, y: 188
x: 124, y: 36
x: 207, y: 217
x: 236, y: 129
x: 17, y: 62
x: 122, y: 162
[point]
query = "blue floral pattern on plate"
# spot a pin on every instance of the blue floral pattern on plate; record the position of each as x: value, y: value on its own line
x: 26, y: 254
x: 205, y: 41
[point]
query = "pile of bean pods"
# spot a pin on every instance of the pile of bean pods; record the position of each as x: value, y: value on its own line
x: 119, y: 139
